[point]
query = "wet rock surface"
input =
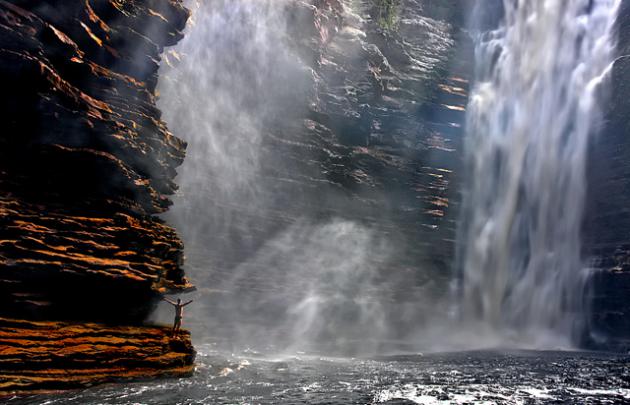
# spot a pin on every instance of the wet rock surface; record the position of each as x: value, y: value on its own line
x: 607, y: 224
x: 334, y: 153
x: 85, y: 164
x: 48, y: 356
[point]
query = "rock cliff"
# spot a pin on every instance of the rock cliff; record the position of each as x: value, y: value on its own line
x: 607, y: 225
x: 47, y: 356
x: 85, y: 165
x: 327, y: 164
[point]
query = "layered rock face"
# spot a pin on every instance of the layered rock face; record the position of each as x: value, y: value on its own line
x: 45, y: 356
x: 391, y: 92
x: 85, y: 165
x: 391, y: 88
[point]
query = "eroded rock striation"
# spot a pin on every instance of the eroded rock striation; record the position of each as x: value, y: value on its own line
x: 85, y: 165
x: 388, y: 113
x: 45, y: 356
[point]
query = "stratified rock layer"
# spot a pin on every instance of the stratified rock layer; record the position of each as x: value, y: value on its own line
x: 45, y: 356
x: 356, y: 134
x: 85, y: 164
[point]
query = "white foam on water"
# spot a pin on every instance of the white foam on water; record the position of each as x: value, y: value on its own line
x: 622, y: 392
x: 481, y: 394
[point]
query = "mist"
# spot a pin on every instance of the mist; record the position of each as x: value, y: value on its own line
x: 282, y: 257
x: 291, y: 240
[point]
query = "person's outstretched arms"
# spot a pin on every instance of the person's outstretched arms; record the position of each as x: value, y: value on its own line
x: 169, y: 301
x: 187, y: 303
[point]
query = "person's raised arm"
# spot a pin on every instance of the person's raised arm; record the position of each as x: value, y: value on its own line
x: 169, y: 301
x: 187, y: 303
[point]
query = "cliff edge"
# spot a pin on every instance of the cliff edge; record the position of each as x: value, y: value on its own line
x: 85, y: 165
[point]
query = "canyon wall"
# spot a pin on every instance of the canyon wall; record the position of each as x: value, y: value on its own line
x: 360, y: 162
x: 86, y: 164
x: 347, y: 167
x: 318, y: 198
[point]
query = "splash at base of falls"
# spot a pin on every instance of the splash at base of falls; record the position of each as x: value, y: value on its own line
x: 530, y: 117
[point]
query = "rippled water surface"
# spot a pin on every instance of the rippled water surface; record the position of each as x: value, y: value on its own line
x: 453, y: 378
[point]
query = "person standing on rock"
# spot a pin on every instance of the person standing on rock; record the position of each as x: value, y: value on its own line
x: 179, y: 314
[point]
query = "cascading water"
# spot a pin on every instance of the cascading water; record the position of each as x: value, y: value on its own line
x: 530, y: 116
x: 282, y: 253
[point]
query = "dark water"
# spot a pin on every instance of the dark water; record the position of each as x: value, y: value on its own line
x: 454, y: 378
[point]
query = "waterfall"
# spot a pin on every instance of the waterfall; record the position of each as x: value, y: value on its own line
x: 531, y: 114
